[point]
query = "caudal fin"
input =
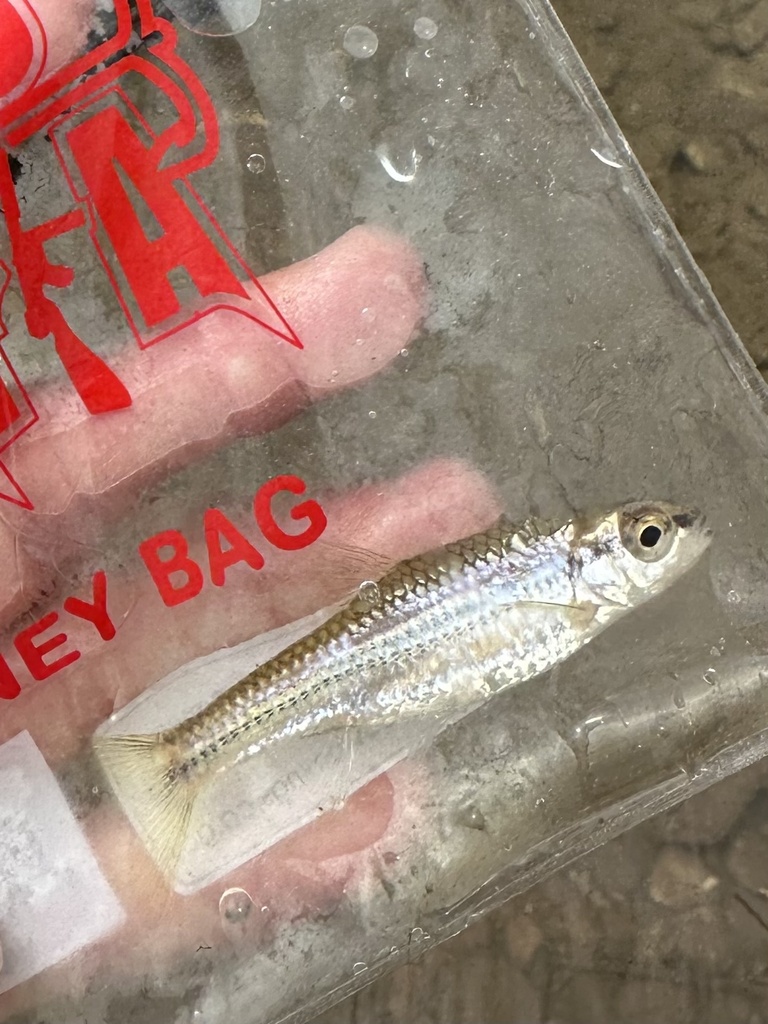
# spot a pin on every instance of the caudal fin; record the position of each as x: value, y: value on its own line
x: 158, y: 800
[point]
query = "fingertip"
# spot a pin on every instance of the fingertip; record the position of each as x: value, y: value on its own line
x: 371, y: 287
x: 430, y: 504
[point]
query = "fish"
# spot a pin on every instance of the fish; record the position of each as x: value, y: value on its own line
x: 438, y: 634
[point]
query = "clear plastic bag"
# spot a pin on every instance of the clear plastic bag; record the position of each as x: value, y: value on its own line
x: 397, y: 261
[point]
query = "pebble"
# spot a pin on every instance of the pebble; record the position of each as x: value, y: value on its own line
x: 751, y: 30
x: 708, y: 817
x: 523, y: 937
x: 701, y: 156
x: 680, y: 878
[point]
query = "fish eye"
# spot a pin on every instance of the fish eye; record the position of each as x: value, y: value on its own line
x: 648, y: 537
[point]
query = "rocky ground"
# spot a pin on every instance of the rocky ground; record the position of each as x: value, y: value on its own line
x: 668, y: 924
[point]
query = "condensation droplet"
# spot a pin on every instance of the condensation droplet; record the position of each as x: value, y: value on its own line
x: 369, y: 592
x: 372, y: 414
x: 540, y: 802
x: 401, y: 166
x: 95, y: 790
x: 710, y: 677
x: 361, y: 41
x: 393, y: 950
x: 472, y: 817
x: 733, y: 597
x: 256, y: 163
x: 425, y: 28
x: 235, y: 905
x: 359, y: 967
x: 678, y: 700
x: 347, y: 102
x: 715, y: 652
x: 404, y: 353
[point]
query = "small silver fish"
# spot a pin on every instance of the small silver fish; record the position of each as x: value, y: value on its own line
x: 438, y: 634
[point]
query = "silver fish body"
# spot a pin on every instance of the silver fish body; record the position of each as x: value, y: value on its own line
x: 437, y: 635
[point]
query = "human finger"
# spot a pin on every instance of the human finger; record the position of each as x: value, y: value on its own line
x: 309, y: 872
x: 37, y: 40
x: 429, y: 505
x: 354, y: 306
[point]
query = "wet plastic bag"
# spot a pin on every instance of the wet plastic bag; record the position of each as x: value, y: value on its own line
x: 283, y: 284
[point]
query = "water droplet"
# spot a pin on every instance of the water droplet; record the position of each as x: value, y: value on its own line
x: 347, y: 102
x: 401, y: 167
x: 235, y: 905
x: 334, y: 374
x: 369, y: 592
x: 361, y: 41
x: 715, y: 652
x: 417, y: 935
x: 95, y: 790
x: 599, y: 345
x: 733, y: 597
x: 472, y: 817
x: 256, y: 163
x: 404, y: 353
x: 372, y: 414
x: 710, y: 677
x: 393, y: 950
x: 678, y: 699
x: 531, y: 35
x: 540, y: 802
x: 359, y: 967
x: 425, y: 28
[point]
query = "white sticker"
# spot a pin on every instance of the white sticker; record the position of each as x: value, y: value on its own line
x: 54, y: 900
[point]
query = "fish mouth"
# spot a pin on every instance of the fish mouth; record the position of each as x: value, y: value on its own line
x: 695, y: 521
x: 690, y: 518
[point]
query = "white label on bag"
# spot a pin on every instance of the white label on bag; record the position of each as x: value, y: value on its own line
x: 54, y: 900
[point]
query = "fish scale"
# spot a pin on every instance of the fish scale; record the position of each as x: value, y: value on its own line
x: 438, y: 634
